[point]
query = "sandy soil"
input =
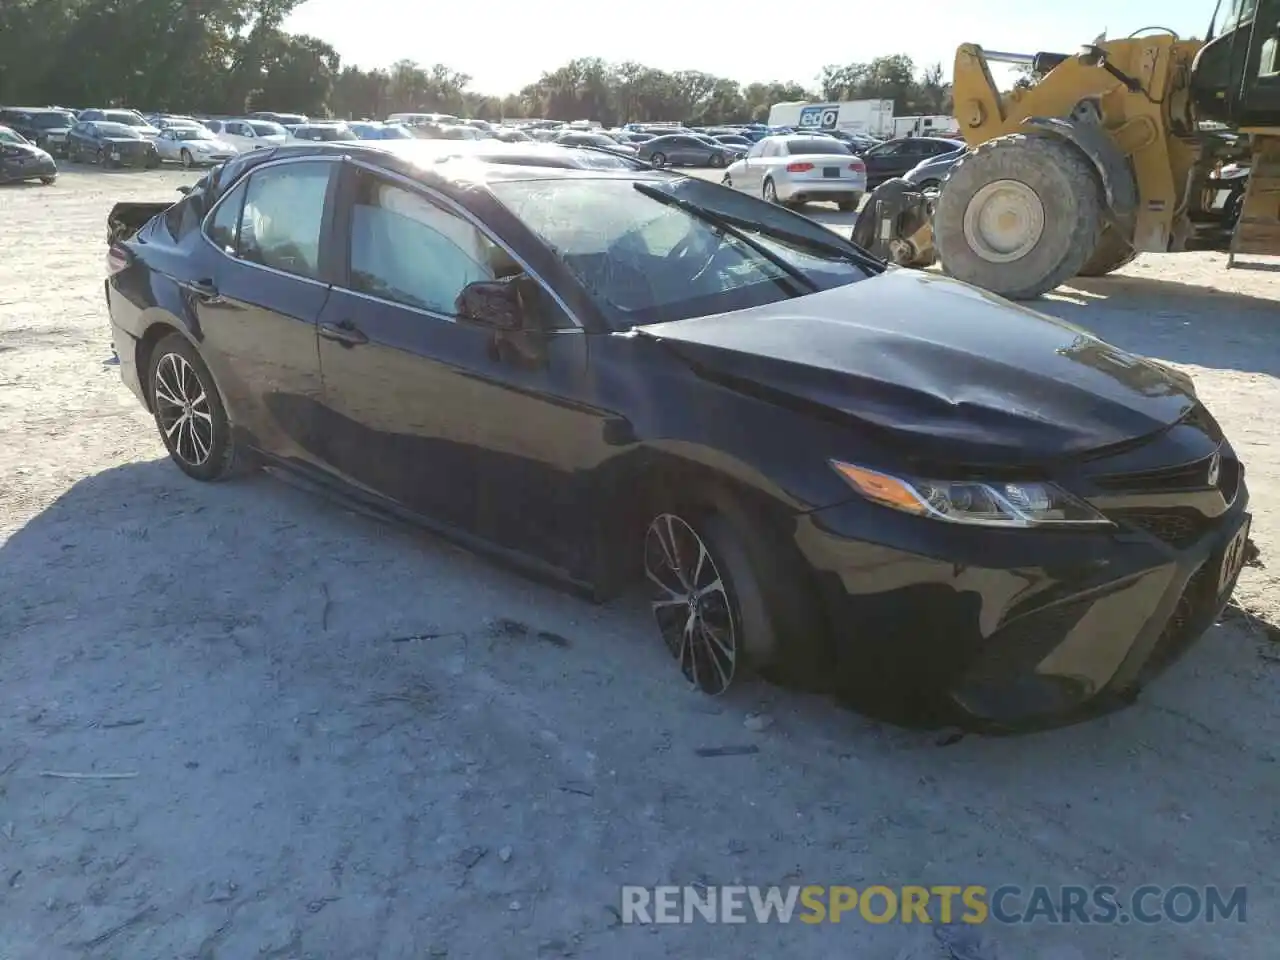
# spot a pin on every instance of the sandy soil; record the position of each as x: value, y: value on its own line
x: 352, y: 741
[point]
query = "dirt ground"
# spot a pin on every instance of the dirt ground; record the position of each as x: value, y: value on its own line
x: 339, y: 739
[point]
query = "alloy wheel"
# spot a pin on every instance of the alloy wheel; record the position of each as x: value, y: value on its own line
x: 658, y: 159
x: 770, y: 192
x: 186, y: 159
x: 182, y: 410
x: 691, y: 603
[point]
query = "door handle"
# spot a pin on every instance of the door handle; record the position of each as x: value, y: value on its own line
x: 345, y: 333
x: 204, y: 289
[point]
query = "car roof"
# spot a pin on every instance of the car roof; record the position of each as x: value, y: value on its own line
x: 453, y: 166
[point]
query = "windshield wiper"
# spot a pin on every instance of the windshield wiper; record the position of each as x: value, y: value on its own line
x: 727, y: 225
x: 837, y: 245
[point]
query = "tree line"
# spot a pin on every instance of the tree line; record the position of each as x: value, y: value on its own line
x: 232, y: 56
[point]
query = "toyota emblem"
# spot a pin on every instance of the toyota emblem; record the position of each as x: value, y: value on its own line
x: 1215, y: 468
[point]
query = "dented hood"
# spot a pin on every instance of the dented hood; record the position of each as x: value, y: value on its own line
x: 955, y: 372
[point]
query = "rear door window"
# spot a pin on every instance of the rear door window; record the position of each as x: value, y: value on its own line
x: 223, y: 227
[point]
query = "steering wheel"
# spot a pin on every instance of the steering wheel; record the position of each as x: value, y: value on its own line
x: 1172, y: 33
x: 679, y: 255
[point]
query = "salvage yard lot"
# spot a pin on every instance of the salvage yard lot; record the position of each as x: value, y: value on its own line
x: 348, y: 740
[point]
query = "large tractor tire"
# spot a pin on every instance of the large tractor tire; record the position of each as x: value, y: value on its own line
x: 1020, y: 215
x: 1112, y: 253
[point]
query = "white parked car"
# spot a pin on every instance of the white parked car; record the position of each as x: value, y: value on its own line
x: 193, y: 146
x: 796, y: 169
x: 246, y: 135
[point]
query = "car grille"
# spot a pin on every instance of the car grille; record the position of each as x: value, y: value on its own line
x: 1178, y: 527
x: 1185, y: 476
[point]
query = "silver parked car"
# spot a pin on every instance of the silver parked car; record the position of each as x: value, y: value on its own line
x: 799, y: 168
x: 193, y: 146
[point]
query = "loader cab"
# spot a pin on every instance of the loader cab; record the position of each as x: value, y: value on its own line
x: 1236, y: 75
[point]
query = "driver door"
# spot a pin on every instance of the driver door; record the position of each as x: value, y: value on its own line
x: 452, y: 418
x: 1261, y: 95
x: 167, y: 145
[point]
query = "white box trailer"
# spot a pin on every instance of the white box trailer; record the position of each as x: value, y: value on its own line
x: 868, y: 117
x: 926, y: 126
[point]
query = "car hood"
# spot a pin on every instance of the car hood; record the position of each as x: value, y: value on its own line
x: 954, y: 372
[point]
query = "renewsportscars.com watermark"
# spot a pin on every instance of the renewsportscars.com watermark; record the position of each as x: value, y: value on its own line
x: 1147, y: 904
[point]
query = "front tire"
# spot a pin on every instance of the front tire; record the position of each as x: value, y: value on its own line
x: 716, y: 160
x: 189, y: 413
x: 1021, y: 214
x: 187, y: 162
x: 103, y: 160
x: 706, y: 599
x: 48, y: 181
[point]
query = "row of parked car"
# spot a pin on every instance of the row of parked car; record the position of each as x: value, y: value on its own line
x: 782, y: 165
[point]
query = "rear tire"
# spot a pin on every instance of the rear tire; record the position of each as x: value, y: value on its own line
x: 1021, y: 214
x: 1112, y: 253
x: 189, y: 413
x: 48, y: 181
x: 769, y: 192
x: 850, y: 206
x: 658, y: 159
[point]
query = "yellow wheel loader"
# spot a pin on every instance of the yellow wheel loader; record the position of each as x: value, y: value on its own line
x: 1117, y: 150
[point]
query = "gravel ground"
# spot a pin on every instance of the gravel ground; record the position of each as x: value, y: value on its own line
x: 346, y: 740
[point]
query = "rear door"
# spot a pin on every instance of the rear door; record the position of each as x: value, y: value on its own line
x: 888, y: 160
x: 257, y: 294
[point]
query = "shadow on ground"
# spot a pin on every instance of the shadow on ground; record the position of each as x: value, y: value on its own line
x: 351, y: 740
x: 1180, y: 322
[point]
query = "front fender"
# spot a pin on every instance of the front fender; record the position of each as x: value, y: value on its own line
x: 1114, y: 170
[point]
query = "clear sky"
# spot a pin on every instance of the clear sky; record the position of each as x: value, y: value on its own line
x: 505, y: 44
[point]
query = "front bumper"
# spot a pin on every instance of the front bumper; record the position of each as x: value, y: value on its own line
x: 1009, y: 629
x: 12, y: 171
x: 133, y: 158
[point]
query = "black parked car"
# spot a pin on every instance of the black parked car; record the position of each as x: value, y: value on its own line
x: 812, y: 461
x: 22, y: 160
x: 111, y: 145
x: 47, y: 128
x: 893, y: 158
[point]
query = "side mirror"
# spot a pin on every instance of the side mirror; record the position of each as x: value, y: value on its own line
x: 495, y: 302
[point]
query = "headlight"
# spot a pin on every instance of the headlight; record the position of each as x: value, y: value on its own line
x: 984, y: 503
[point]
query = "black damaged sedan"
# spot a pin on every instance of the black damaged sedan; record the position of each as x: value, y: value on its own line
x: 22, y: 160
x: 817, y: 465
